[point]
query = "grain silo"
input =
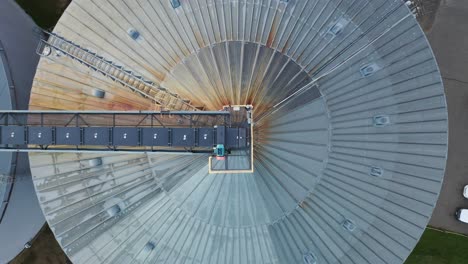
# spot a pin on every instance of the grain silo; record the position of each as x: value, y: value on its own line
x: 349, y: 124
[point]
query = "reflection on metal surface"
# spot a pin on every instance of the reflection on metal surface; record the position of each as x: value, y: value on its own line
x: 350, y: 133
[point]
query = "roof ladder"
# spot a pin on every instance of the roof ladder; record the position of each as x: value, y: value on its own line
x: 117, y: 73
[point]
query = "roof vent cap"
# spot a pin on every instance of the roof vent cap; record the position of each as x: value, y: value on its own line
x: 336, y: 28
x: 149, y: 246
x: 376, y: 171
x: 381, y: 120
x: 95, y: 162
x: 348, y: 225
x: 369, y: 69
x: 310, y: 258
x: 135, y: 34
x: 175, y: 3
x: 114, y: 210
x: 99, y: 93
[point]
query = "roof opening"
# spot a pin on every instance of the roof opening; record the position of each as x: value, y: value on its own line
x: 114, y: 210
x: 95, y: 162
x: 349, y: 225
x: 369, y: 69
x: 175, y: 3
x: 336, y: 28
x: 99, y: 93
x: 376, y: 171
x: 149, y: 246
x: 134, y: 34
x: 310, y: 258
x: 381, y: 120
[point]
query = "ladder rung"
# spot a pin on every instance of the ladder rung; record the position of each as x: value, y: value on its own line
x: 125, y: 77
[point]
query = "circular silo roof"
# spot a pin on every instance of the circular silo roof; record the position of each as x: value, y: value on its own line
x: 350, y: 133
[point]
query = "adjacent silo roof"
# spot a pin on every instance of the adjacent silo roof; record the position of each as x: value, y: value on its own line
x: 5, y: 158
x: 20, y: 214
x: 346, y: 171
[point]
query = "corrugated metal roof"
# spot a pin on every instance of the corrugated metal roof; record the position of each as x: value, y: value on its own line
x: 5, y: 158
x: 20, y: 214
x: 348, y: 172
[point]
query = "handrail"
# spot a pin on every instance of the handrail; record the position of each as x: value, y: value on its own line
x: 135, y: 82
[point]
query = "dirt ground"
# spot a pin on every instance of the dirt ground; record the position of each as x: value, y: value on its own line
x: 45, y: 13
x: 427, y: 14
x: 44, y: 250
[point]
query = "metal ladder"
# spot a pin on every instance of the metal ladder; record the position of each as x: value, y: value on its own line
x: 127, y: 78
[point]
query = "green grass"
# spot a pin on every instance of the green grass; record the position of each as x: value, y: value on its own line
x: 437, y: 247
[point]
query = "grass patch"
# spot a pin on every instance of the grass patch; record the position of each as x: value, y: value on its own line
x: 437, y: 247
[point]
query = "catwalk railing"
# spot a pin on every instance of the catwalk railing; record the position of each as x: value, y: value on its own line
x: 168, y: 131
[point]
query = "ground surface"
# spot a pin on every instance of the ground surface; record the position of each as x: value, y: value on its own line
x: 44, y: 12
x: 449, y: 40
x: 430, y: 251
x: 44, y: 250
x: 427, y: 13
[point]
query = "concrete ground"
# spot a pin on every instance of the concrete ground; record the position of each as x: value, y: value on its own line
x: 449, y: 40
